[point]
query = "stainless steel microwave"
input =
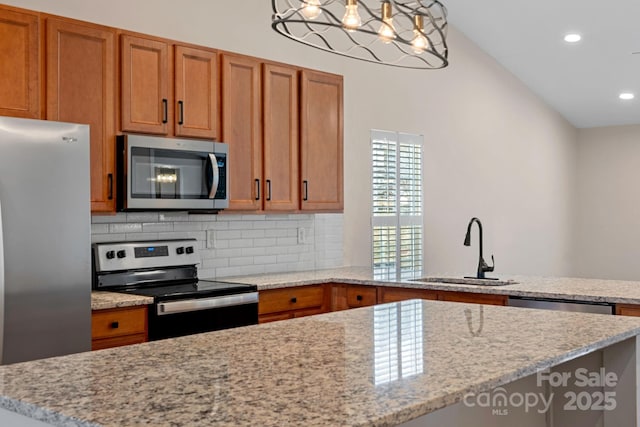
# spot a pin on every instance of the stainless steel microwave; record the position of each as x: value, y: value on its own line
x: 156, y: 173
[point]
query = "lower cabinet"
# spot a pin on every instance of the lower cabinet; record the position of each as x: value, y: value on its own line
x: 345, y: 296
x: 628, y: 310
x: 392, y: 294
x: 298, y: 301
x: 473, y: 298
x: 118, y: 326
x: 288, y: 303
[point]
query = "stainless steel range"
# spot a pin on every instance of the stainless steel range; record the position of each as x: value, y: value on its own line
x: 166, y: 270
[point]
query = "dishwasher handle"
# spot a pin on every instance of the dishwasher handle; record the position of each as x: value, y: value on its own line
x: 197, y: 304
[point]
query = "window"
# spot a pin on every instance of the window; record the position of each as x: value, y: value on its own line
x: 397, y: 204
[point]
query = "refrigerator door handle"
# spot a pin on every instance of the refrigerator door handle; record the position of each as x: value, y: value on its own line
x: 1, y: 289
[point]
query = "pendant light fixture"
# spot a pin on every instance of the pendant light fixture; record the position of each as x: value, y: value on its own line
x: 401, y: 33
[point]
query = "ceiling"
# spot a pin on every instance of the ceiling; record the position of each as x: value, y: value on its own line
x: 582, y: 81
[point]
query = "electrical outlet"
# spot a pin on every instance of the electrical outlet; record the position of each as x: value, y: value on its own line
x: 211, y: 239
x: 302, y: 236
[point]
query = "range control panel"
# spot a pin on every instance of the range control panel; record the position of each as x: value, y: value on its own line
x: 117, y: 256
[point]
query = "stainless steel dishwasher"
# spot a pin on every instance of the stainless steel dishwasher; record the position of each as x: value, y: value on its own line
x: 562, y: 305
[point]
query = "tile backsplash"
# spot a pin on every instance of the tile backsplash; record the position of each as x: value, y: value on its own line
x: 232, y: 245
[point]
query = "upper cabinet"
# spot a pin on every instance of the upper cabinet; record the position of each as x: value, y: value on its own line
x: 81, y: 87
x: 152, y: 70
x: 145, y: 77
x: 321, y: 141
x: 196, y: 93
x: 20, y: 84
x: 281, y: 138
x: 283, y: 125
x: 242, y: 129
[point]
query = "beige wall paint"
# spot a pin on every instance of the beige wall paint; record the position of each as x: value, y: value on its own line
x: 607, y: 243
x: 493, y: 149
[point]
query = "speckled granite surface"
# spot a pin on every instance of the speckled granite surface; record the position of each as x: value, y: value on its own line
x: 597, y: 290
x: 104, y: 300
x: 325, y: 370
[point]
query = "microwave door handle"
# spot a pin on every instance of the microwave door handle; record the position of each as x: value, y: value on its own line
x: 216, y: 176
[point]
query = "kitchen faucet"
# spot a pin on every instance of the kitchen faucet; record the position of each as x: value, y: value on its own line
x: 482, y: 265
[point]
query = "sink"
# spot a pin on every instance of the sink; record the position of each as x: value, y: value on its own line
x: 466, y: 281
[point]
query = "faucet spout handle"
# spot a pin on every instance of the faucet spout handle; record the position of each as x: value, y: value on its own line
x: 486, y: 267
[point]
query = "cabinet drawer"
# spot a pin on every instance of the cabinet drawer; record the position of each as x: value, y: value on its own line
x: 361, y: 296
x: 266, y: 318
x: 100, y: 344
x: 276, y: 300
x: 117, y: 322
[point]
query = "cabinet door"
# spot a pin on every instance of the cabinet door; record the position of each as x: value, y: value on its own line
x: 196, y: 101
x: 20, y: 64
x: 81, y: 89
x: 281, y: 141
x: 242, y: 130
x: 146, y: 105
x: 321, y: 124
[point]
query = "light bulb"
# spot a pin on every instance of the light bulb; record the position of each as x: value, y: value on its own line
x: 386, y: 32
x: 311, y: 9
x: 351, y: 20
x: 419, y: 42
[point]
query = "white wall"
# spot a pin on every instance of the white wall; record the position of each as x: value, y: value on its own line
x: 493, y: 149
x: 607, y: 243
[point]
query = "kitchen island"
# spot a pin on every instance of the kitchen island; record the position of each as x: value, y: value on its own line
x: 383, y: 365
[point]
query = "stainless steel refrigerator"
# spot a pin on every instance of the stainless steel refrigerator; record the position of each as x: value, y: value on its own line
x: 45, y: 257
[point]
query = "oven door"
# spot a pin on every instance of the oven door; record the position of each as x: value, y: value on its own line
x: 164, y: 174
x: 178, y: 317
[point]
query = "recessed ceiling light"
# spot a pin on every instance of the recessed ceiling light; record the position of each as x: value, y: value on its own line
x: 572, y: 38
x: 627, y: 96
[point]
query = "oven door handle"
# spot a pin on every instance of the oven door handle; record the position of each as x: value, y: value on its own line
x: 213, y: 160
x: 183, y: 306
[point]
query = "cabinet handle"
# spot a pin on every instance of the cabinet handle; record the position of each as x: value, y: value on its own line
x: 294, y: 300
x: 359, y: 297
x: 165, y: 111
x: 268, y: 190
x: 180, y: 113
x: 305, y: 184
x: 257, y: 189
x: 114, y: 325
x: 110, y: 185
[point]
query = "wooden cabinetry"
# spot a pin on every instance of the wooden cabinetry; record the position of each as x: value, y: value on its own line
x: 321, y: 141
x: 281, y: 175
x: 118, y: 326
x: 145, y: 77
x: 242, y: 129
x: 392, y: 294
x: 81, y: 84
x: 287, y: 303
x: 196, y: 93
x: 20, y: 85
x: 628, y: 310
x: 148, y: 104
x: 346, y: 296
x: 473, y: 298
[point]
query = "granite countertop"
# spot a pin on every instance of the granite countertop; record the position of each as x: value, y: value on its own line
x: 104, y: 300
x: 577, y: 289
x: 321, y: 370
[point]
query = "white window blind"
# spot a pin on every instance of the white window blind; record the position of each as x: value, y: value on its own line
x: 397, y: 204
